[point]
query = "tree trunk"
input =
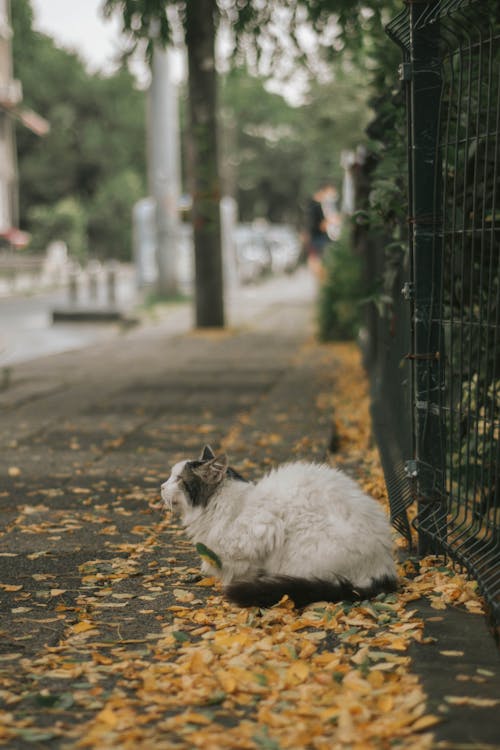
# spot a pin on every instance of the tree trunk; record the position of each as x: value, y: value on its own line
x: 200, y: 41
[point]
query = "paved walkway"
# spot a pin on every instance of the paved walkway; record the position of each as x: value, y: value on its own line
x: 86, y: 438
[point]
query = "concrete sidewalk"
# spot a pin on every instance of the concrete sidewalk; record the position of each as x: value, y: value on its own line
x: 86, y: 439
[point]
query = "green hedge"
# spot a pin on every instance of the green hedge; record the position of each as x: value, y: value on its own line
x: 341, y: 293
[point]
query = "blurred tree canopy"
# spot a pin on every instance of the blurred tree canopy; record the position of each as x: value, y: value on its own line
x: 273, y: 155
x: 269, y: 32
x: 90, y: 168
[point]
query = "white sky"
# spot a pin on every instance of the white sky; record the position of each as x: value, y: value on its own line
x: 80, y: 26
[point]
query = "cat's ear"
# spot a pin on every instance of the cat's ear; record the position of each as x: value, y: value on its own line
x: 213, y: 471
x: 207, y: 453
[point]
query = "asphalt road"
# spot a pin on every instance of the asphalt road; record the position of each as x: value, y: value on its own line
x: 27, y: 331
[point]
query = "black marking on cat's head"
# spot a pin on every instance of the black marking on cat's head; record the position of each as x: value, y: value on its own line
x: 207, y: 454
x: 202, y: 478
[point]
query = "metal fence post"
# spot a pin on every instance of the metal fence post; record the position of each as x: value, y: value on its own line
x: 451, y: 50
x: 425, y: 239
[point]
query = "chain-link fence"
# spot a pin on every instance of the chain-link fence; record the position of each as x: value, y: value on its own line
x: 435, y: 360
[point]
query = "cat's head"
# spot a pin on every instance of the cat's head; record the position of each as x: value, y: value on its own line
x: 191, y: 484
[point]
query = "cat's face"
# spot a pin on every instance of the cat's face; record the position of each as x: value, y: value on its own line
x: 191, y: 484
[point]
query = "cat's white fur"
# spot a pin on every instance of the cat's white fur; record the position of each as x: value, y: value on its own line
x: 302, y: 519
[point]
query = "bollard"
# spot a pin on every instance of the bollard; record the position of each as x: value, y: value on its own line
x: 73, y: 287
x: 93, y: 281
x: 111, y: 273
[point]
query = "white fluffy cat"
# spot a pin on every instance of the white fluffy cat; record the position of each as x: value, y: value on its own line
x: 306, y: 530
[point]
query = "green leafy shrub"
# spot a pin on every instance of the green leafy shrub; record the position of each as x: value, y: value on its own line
x: 110, y: 215
x: 66, y: 220
x: 341, y: 293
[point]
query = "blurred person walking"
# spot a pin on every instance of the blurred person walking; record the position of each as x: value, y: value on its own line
x: 322, y: 222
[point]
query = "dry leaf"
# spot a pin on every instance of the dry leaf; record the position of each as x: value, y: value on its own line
x: 83, y: 626
x: 425, y: 722
x: 226, y: 680
x: 466, y: 700
x: 183, y: 596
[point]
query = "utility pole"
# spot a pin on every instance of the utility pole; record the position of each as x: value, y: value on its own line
x: 164, y: 168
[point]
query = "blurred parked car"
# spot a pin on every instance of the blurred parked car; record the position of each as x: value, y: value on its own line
x: 253, y: 256
x: 259, y: 248
x: 285, y: 247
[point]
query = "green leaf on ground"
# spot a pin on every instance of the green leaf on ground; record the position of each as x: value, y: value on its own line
x: 208, y: 555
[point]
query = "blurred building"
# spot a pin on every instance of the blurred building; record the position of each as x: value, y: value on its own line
x: 11, y: 95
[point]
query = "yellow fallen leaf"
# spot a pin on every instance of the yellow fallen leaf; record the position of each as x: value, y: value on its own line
x: 398, y: 644
x: 328, y: 713
x: 376, y: 678
x: 183, y: 596
x: 14, y: 471
x: 266, y: 440
x: 195, y: 718
x: 237, y: 641
x: 108, y: 716
x: 385, y: 703
x: 270, y: 718
x: 451, y: 653
x: 424, y: 722
x: 438, y: 603
x: 297, y: 672
x: 360, y: 656
x: 199, y: 661
x: 57, y: 592
x: 99, y: 658
x: 82, y: 626
x: 466, y: 700
x: 307, y: 649
x: 226, y: 680
x: 211, y: 581
x: 204, y: 429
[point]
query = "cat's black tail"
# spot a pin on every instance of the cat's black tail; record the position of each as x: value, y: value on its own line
x: 268, y: 590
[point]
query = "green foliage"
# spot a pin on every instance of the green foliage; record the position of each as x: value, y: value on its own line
x: 143, y: 18
x: 274, y: 154
x: 260, y: 144
x: 272, y: 30
x: 471, y: 281
x: 341, y: 294
x: 110, y: 217
x: 474, y: 437
x: 65, y: 220
x: 96, y: 137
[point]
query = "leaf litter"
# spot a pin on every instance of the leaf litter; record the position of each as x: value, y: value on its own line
x: 205, y: 674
